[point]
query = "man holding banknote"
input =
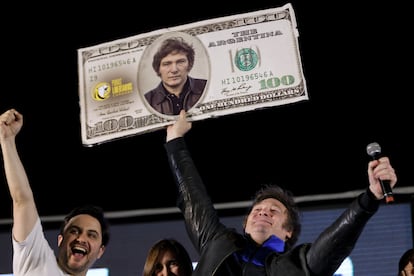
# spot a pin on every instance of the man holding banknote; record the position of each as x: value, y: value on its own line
x: 271, y: 228
x: 177, y: 90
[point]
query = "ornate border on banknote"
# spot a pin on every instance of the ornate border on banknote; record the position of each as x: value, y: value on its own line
x: 251, y: 61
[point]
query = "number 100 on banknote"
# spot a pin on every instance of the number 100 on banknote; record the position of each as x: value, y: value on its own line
x: 210, y: 68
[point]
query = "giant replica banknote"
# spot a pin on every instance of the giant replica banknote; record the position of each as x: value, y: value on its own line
x: 245, y: 62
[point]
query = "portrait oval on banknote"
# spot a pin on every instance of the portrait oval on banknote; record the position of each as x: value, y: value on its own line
x: 173, y: 74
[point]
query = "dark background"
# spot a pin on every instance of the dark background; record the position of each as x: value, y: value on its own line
x: 356, y: 62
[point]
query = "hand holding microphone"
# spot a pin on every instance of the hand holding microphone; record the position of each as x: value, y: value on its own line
x: 374, y: 150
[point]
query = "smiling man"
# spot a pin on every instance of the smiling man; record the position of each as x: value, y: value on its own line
x: 267, y: 244
x: 84, y: 232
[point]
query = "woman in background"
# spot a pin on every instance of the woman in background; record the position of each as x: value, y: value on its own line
x: 168, y: 257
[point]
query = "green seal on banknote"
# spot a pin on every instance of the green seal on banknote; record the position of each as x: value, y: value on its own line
x: 246, y: 59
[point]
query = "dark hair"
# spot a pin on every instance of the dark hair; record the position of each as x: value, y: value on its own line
x: 157, y: 251
x: 405, y: 259
x: 286, y: 198
x: 173, y: 45
x: 94, y: 211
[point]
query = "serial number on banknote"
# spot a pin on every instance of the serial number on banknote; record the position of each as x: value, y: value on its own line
x: 94, y: 69
x: 247, y: 77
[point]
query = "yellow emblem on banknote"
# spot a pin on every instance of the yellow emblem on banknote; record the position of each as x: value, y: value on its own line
x: 102, y: 91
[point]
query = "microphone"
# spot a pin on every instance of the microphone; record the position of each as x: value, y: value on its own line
x: 374, y: 150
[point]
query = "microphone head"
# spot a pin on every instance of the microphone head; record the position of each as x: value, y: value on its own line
x: 373, y: 149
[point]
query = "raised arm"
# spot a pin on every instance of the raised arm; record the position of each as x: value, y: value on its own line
x: 338, y: 240
x: 180, y: 128
x: 24, y: 209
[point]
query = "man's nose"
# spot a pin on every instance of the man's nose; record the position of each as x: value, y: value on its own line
x: 264, y: 212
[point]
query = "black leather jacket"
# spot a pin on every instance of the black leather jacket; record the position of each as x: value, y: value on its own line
x: 216, y: 243
x: 159, y: 100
